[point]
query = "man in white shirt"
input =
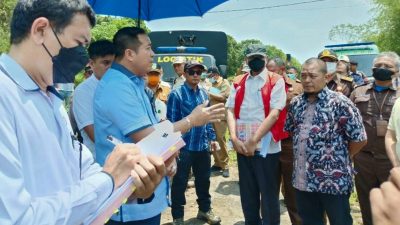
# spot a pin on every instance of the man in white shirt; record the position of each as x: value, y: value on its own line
x: 256, y: 128
x: 101, y: 54
x: 46, y: 177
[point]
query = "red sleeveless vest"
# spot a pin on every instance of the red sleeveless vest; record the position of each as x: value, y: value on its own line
x: 277, y: 129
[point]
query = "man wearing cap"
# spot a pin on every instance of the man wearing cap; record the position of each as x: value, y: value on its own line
x: 196, y: 154
x: 179, y: 64
x: 256, y: 116
x: 359, y: 77
x: 158, y: 91
x: 219, y: 93
x: 375, y: 102
x: 335, y: 82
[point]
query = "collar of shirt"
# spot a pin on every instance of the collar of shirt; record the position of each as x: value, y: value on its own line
x: 374, y: 84
x: 219, y: 81
x: 93, y: 77
x: 189, y: 88
x: 321, y: 95
x: 135, y: 78
x: 18, y: 74
x: 262, y: 75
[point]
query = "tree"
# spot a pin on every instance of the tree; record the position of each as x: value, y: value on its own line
x: 384, y: 29
x: 107, y: 26
x: 236, y: 54
x: 6, y: 7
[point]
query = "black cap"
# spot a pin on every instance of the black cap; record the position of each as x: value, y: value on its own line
x: 256, y: 49
x: 352, y: 62
x: 213, y: 70
x: 192, y: 64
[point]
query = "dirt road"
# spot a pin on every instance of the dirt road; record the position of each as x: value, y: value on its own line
x: 226, y: 203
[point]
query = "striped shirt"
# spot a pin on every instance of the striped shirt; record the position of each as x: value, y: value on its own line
x: 181, y: 103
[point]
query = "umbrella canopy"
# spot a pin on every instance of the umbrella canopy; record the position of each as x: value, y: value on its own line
x: 153, y: 9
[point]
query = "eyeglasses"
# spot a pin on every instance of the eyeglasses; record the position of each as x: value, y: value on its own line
x: 192, y: 72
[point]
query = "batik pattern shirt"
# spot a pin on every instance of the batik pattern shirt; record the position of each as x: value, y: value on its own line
x: 336, y: 122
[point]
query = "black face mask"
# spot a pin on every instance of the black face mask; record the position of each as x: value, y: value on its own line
x: 382, y: 74
x: 257, y: 64
x: 68, y: 62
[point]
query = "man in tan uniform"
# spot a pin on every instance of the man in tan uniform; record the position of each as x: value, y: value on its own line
x: 219, y: 93
x: 335, y: 82
x: 160, y: 88
x: 375, y: 102
x: 294, y: 88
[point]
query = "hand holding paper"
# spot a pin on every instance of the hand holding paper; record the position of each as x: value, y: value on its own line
x: 121, y: 161
x: 159, y: 146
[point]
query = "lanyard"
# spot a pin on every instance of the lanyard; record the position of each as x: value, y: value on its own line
x: 380, y: 108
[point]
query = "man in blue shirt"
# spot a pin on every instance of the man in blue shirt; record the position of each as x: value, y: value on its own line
x: 196, y: 153
x: 46, y: 177
x: 123, y: 109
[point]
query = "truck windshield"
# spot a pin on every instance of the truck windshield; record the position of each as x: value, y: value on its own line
x: 364, y: 62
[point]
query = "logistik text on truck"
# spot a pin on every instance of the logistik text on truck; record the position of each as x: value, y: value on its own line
x: 207, y: 47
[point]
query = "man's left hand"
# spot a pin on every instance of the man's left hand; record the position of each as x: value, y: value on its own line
x: 251, y: 146
x: 213, y: 145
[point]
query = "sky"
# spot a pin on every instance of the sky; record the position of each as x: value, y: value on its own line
x: 301, y: 30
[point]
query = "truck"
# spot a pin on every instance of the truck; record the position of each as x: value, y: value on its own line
x: 363, y: 53
x: 208, y: 47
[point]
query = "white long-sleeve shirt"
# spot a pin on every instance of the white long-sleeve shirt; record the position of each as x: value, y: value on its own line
x: 44, y: 178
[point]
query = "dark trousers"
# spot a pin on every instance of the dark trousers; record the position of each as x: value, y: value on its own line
x: 288, y: 191
x: 311, y: 206
x: 151, y: 221
x: 200, y: 162
x: 371, y: 173
x: 259, y: 188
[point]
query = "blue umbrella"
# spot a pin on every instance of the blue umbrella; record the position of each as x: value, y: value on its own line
x: 153, y: 9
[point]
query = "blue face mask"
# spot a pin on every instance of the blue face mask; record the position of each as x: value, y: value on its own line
x: 292, y: 76
x: 213, y: 80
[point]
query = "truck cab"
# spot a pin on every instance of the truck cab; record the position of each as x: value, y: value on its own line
x: 363, y: 53
x: 208, y: 47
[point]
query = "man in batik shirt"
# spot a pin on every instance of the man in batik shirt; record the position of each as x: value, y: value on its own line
x: 327, y: 131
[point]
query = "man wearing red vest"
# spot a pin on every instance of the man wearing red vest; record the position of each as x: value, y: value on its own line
x: 256, y: 116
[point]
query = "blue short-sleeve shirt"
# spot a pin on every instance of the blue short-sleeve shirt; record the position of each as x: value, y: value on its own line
x: 121, y: 107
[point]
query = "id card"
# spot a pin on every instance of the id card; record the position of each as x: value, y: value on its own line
x: 244, y: 131
x: 381, y: 127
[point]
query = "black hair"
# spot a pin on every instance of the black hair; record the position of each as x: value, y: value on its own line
x: 292, y: 67
x: 321, y: 64
x: 127, y: 38
x: 58, y: 12
x: 101, y: 48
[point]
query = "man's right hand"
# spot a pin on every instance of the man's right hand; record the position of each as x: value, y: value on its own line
x: 202, y: 115
x: 147, y: 175
x: 121, y: 161
x: 386, y: 199
x: 239, y: 146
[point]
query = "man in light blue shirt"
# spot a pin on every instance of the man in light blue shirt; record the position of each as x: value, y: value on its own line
x: 101, y: 54
x: 46, y: 177
x: 122, y: 109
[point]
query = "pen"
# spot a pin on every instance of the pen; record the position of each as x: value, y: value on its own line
x: 114, y: 140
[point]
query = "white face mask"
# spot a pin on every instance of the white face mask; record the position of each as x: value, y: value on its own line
x: 331, y: 67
